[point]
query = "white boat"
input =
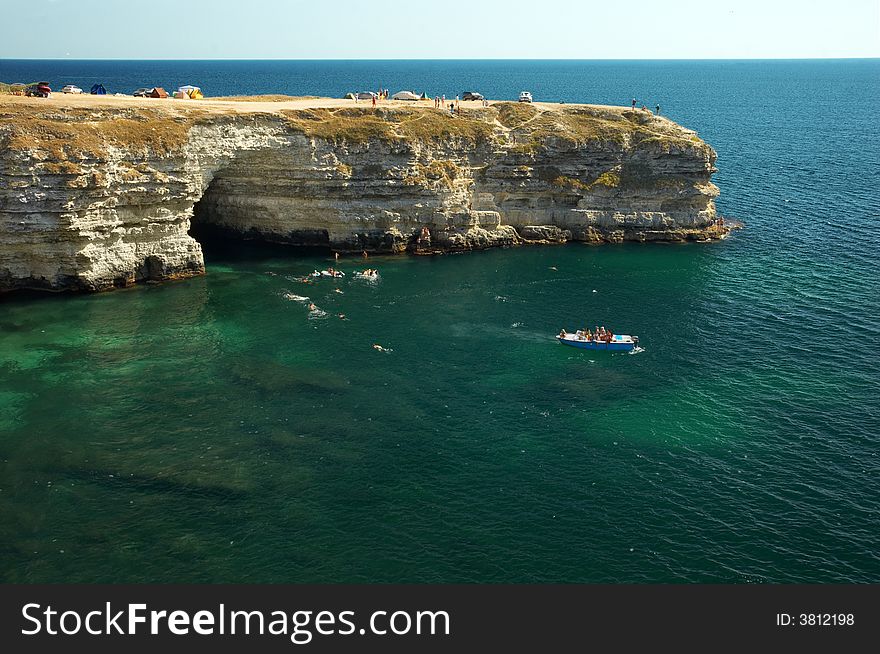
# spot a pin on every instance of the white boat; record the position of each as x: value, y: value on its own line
x: 617, y: 343
x: 525, y: 96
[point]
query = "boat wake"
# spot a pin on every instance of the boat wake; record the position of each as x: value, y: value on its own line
x: 636, y: 350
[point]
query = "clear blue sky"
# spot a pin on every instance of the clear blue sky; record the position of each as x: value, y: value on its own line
x: 439, y: 29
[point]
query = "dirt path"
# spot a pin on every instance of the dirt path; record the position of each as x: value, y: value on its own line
x: 220, y: 105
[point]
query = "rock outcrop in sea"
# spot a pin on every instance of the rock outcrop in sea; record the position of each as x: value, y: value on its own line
x: 103, y: 197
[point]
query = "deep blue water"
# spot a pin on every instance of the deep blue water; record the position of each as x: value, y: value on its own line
x: 211, y: 431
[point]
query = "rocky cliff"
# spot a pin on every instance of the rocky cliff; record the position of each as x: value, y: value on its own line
x: 95, y: 197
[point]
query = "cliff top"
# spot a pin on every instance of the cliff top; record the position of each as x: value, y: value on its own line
x: 250, y: 103
x: 72, y: 127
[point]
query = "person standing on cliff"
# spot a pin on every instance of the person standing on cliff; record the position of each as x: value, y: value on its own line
x: 658, y: 109
x: 374, y: 100
x: 634, y: 103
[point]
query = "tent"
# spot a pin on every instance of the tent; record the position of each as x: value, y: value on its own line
x: 404, y: 95
x: 349, y: 96
x: 98, y: 89
x: 192, y: 92
x: 158, y: 92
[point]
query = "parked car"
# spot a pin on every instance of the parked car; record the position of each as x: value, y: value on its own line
x: 71, y: 88
x: 367, y: 95
x: 525, y: 96
x: 405, y: 95
x: 142, y: 93
x: 38, y: 90
x: 471, y: 95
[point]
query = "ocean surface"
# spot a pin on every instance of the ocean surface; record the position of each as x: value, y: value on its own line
x: 214, y: 430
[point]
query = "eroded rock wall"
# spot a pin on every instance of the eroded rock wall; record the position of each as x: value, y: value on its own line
x: 94, y: 199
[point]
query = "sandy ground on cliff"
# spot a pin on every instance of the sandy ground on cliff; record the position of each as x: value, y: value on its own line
x: 246, y: 105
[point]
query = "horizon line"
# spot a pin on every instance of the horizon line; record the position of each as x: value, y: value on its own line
x: 443, y: 59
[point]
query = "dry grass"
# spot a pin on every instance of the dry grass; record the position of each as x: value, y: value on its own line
x: 78, y: 134
x: 514, y: 114
x: 609, y: 179
x: 337, y: 127
x: 438, y: 171
x: 618, y: 127
x: 75, y: 133
x: 360, y: 125
x: 437, y: 125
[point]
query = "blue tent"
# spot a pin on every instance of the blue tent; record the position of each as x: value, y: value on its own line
x: 98, y: 89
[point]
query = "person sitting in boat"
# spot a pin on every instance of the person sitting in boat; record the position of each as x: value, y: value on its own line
x: 589, y: 335
x: 562, y: 333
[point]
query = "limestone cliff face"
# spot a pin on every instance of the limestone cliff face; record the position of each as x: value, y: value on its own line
x: 97, y: 198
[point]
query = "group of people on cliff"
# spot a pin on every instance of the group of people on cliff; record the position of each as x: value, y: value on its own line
x: 599, y: 335
x: 644, y: 108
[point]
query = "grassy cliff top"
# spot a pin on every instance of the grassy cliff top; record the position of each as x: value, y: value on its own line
x: 69, y: 128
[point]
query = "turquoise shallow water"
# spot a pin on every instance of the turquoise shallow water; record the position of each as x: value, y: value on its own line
x: 210, y: 430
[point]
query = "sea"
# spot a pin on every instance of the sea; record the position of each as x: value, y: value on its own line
x: 217, y: 430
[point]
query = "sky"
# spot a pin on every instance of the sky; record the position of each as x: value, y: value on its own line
x: 439, y: 29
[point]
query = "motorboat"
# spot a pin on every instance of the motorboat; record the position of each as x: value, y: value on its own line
x: 617, y: 343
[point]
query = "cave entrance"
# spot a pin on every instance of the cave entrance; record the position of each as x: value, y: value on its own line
x: 231, y: 223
